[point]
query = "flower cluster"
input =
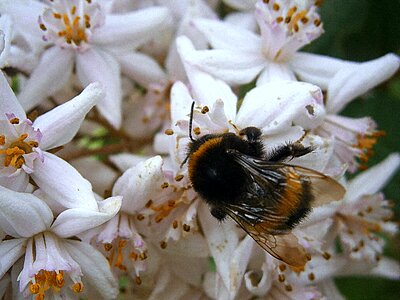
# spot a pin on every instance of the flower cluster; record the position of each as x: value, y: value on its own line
x: 96, y: 117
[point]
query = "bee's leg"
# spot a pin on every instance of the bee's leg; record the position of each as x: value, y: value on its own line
x: 290, y: 150
x: 217, y: 213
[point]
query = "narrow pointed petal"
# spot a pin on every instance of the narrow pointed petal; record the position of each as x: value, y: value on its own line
x: 131, y: 29
x: 23, y: 214
x: 232, y: 66
x: 373, y: 180
x: 9, y: 103
x: 6, y: 26
x: 63, y: 183
x: 205, y: 88
x: 76, y: 220
x: 60, y: 125
x: 10, y: 251
x: 18, y: 181
x: 356, y: 79
x: 245, y: 20
x: 222, y: 241
x: 96, y: 269
x: 141, y: 68
x: 52, y: 73
x: 97, y: 65
x: 223, y: 35
x: 138, y: 184
x: 315, y: 68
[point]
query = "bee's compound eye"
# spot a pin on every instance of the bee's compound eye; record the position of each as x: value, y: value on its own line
x: 251, y: 133
x: 217, y: 213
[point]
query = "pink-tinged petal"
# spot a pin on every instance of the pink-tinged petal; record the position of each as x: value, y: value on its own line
x: 17, y: 181
x: 26, y: 13
x: 275, y: 72
x: 223, y: 35
x: 130, y: 30
x: 139, y: 184
x: 124, y: 161
x: 374, y: 179
x: 222, y: 240
x: 59, y: 125
x: 100, y: 175
x: 206, y: 89
x: 181, y: 101
x: 9, y: 103
x: 232, y: 66
x: 23, y: 214
x: 6, y: 32
x: 10, y: 251
x: 77, y: 220
x: 141, y: 68
x: 52, y: 73
x: 276, y: 106
x: 356, y: 79
x: 62, y: 182
x: 97, y: 65
x: 95, y: 268
x: 315, y: 68
x: 244, y: 20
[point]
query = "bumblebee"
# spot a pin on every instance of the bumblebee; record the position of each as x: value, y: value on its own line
x: 265, y: 195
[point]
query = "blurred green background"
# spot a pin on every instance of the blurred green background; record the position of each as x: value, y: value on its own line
x: 361, y: 30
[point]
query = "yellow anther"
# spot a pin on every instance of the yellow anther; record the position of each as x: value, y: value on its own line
x: 77, y: 287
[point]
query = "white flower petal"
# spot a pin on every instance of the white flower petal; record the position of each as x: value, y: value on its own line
x: 356, y: 79
x: 315, y: 68
x: 138, y: 184
x: 328, y: 288
x: 141, y: 68
x: 9, y: 103
x: 6, y: 29
x: 243, y: 19
x: 275, y: 72
x: 222, y: 241
x: 131, y: 29
x: 95, y: 268
x: 232, y: 66
x: 76, y: 220
x: 63, y: 183
x: 97, y: 65
x: 275, y: 107
x: 373, y: 180
x: 226, y: 36
x: 388, y: 268
x: 124, y: 161
x: 206, y: 89
x: 18, y: 181
x: 23, y: 214
x: 60, y: 125
x: 241, y: 4
x: 4, y: 284
x: 10, y: 251
x: 181, y: 101
x: 52, y: 73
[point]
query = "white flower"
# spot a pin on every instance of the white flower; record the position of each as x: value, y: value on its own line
x: 54, y: 264
x: 99, y: 46
x: 282, y: 110
x: 239, y: 55
x: 364, y: 212
x: 23, y: 143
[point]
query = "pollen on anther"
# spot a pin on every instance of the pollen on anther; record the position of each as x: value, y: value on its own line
x: 281, y: 278
x: 149, y: 203
x: 169, y: 131
x: 42, y: 27
x: 2, y: 140
x: 175, y: 224
x: 186, y: 227
x: 179, y: 177
x: 205, y: 109
x: 288, y: 288
x: 140, y: 217
x: 196, y: 130
x: 326, y: 255
x: 138, y: 280
x: 78, y: 287
x: 165, y: 185
x: 311, y: 276
x: 282, y: 267
x: 14, y: 121
x: 34, y: 288
x: 163, y: 244
x: 276, y: 6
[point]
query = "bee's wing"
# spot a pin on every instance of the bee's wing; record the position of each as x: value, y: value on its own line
x: 323, y: 188
x: 283, y: 247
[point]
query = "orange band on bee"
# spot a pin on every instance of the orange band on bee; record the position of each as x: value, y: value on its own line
x: 206, y: 146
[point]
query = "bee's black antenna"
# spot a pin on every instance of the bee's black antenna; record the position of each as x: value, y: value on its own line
x: 191, y: 122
